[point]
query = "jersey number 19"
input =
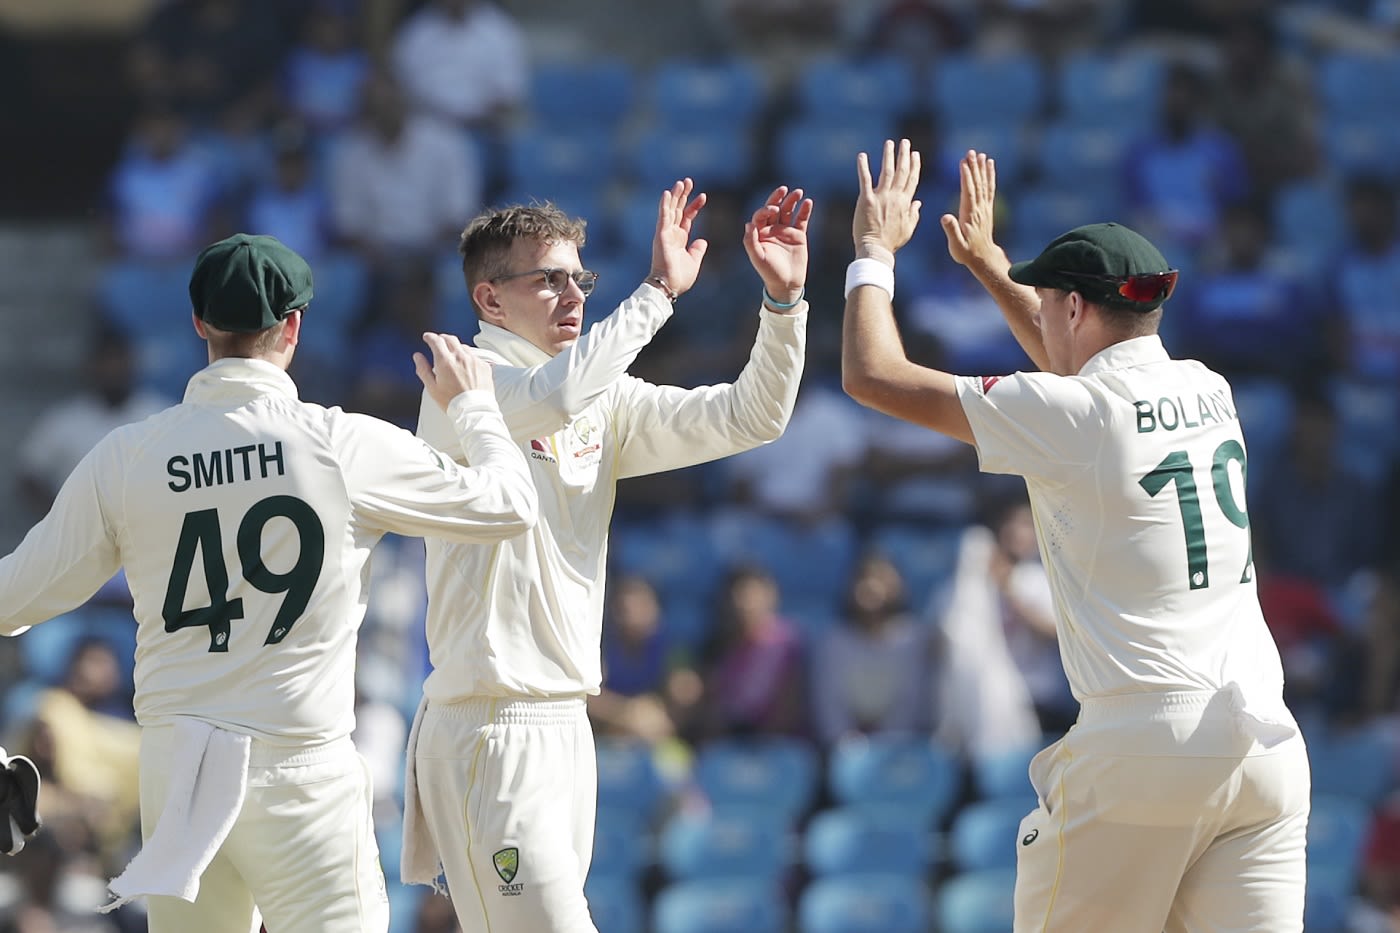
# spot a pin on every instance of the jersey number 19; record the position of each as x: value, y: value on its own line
x: 201, y: 531
x: 1176, y: 468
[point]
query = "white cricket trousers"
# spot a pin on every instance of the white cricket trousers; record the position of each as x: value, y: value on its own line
x: 302, y: 851
x: 509, y: 790
x: 1166, y: 812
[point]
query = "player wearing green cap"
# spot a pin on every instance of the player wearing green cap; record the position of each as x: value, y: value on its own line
x: 1179, y: 801
x: 244, y: 519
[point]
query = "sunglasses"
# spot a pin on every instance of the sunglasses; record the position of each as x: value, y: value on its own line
x: 557, y: 280
x: 1142, y: 289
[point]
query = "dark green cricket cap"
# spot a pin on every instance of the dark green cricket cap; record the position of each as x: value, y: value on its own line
x: 1109, y: 250
x: 248, y: 283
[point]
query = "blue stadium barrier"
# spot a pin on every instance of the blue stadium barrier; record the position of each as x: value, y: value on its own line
x: 853, y: 840
x: 865, y: 903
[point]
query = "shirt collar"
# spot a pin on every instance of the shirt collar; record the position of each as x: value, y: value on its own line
x: 234, y: 377
x: 515, y: 348
x: 1125, y: 354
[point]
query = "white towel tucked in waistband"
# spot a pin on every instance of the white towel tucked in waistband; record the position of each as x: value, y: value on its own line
x: 419, y: 862
x: 208, y: 781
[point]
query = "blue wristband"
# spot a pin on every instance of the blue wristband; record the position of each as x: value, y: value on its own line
x: 777, y: 305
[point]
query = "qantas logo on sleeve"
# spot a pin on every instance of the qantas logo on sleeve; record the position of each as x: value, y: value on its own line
x: 539, y: 450
x: 989, y: 381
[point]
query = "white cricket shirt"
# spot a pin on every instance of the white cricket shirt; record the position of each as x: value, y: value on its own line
x: 245, y: 520
x: 524, y: 617
x: 1136, y: 469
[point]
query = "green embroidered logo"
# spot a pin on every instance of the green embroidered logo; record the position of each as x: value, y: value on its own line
x: 507, y: 862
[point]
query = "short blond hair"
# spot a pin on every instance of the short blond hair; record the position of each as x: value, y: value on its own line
x: 226, y: 344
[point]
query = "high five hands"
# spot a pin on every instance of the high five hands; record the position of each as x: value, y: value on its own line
x: 776, y: 241
x: 887, y: 213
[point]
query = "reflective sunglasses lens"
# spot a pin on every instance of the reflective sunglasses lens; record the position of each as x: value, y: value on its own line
x: 1146, y: 288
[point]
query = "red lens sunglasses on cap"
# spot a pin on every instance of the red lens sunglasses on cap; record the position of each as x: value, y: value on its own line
x: 1142, y: 289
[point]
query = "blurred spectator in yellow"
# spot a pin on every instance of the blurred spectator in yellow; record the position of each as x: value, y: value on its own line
x: 401, y: 182
x: 754, y: 683
x: 873, y: 674
x: 649, y: 688
x: 463, y: 61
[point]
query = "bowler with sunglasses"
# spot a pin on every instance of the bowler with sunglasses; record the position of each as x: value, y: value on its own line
x: 502, y: 784
x: 1179, y: 800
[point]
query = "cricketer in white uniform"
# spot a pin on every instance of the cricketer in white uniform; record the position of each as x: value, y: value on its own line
x: 1179, y: 801
x: 245, y: 520
x: 505, y: 765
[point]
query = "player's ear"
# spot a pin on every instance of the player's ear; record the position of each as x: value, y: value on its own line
x: 488, y: 302
x: 199, y: 326
x: 291, y: 327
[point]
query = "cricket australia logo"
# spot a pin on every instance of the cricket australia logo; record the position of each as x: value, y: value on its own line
x: 507, y: 864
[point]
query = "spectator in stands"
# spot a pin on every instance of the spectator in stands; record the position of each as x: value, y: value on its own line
x: 401, y: 182
x: 754, y: 681
x: 292, y: 204
x: 1247, y: 314
x: 1264, y: 101
x: 65, y: 433
x: 463, y: 61
x: 1313, y: 516
x: 649, y: 689
x: 1180, y: 176
x: 47, y: 904
x: 211, y: 54
x: 917, y: 31
x: 165, y: 192
x: 323, y: 73
x: 408, y: 306
x: 873, y: 674
x: 779, y: 34
x: 1367, y: 280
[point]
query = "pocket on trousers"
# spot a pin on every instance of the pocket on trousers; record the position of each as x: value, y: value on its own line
x: 1045, y: 771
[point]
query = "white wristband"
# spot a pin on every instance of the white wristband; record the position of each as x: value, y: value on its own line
x: 870, y: 272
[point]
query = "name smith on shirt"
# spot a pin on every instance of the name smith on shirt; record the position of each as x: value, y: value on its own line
x: 231, y: 465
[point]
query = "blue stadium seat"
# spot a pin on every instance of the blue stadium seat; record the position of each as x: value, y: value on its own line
x: 926, y: 557
x: 1309, y: 221
x: 627, y: 776
x: 1118, y: 92
x: 1360, y: 765
x: 978, y: 90
x: 772, y: 773
x: 811, y: 563
x: 341, y: 292
x: 853, y: 840
x: 454, y: 302
x: 622, y: 843
x: 977, y: 902
x: 1265, y: 408
x: 1005, y: 773
x: 674, y: 552
x: 843, y: 86
x: 734, y: 842
x: 615, y: 903
x: 728, y: 92
x: 1327, y: 903
x: 983, y: 835
x: 634, y: 219
x: 551, y: 161
x: 720, y: 906
x: 916, y: 775
x: 1044, y: 212
x: 819, y: 155
x: 151, y: 302
x: 1003, y: 142
x: 1338, y: 828
x: 865, y: 903
x: 1071, y: 155
x: 1368, y: 414
x: 595, y: 92
x: 715, y: 157
x: 1362, y: 145
x: 1359, y: 85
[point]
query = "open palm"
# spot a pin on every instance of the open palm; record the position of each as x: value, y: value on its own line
x: 776, y: 240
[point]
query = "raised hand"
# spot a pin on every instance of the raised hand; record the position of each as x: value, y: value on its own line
x: 454, y: 369
x: 970, y: 232
x: 674, y: 256
x: 776, y: 240
x: 886, y: 211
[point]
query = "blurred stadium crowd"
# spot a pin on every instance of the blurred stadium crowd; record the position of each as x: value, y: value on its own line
x: 828, y: 660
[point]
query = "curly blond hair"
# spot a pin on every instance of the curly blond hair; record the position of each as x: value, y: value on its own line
x: 485, y: 243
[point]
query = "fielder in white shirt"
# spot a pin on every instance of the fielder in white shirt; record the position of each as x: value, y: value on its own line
x: 505, y: 767
x: 1179, y: 800
x: 245, y: 519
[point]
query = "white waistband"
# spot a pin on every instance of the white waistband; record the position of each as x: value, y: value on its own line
x: 513, y: 710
